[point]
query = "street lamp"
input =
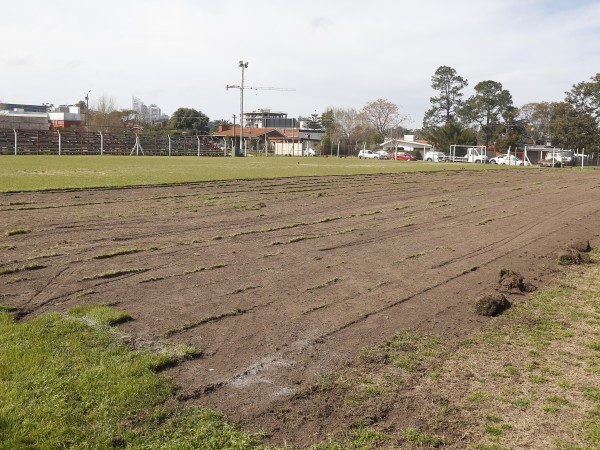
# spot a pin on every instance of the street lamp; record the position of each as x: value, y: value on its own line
x: 243, y: 65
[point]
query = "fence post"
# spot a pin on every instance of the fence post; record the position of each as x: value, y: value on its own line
x: 169, y: 136
x: 59, y: 142
x: 101, y: 143
x: 198, y: 138
x: 15, y: 131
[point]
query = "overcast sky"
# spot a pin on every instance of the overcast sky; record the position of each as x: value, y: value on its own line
x: 333, y: 53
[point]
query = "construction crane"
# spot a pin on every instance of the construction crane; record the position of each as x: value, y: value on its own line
x: 258, y: 88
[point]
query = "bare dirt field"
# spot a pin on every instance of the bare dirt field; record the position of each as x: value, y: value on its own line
x: 279, y: 281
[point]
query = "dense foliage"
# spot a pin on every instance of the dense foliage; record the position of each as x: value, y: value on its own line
x: 190, y: 120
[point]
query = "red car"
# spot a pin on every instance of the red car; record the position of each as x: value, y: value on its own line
x: 402, y: 156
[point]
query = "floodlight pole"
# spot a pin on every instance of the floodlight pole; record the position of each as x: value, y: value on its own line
x: 243, y: 65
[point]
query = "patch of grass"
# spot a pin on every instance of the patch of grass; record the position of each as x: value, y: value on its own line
x: 507, y: 372
x: 115, y: 273
x: 409, y: 350
x: 187, y: 272
x: 479, y: 396
x: 363, y: 391
x: 213, y: 318
x: 8, y: 309
x: 21, y: 268
x: 245, y: 289
x: 324, y: 284
x: 118, y: 252
x: 362, y: 439
x: 69, y: 384
x: 16, y: 231
x: 102, y: 314
x: 420, y: 438
x: 497, y: 429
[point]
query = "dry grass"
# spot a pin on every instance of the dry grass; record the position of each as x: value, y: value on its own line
x: 529, y: 380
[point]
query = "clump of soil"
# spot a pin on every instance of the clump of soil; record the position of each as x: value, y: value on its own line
x: 511, y: 281
x: 573, y: 257
x: 576, y: 253
x: 492, y: 305
x: 581, y: 246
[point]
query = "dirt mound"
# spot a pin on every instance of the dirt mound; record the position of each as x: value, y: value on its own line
x: 581, y: 246
x: 576, y: 253
x: 492, y: 305
x: 511, y: 281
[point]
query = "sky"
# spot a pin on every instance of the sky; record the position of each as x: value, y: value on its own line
x: 330, y: 54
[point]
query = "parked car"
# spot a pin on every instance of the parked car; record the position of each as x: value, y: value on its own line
x: 509, y: 160
x: 435, y: 156
x: 402, y: 156
x: 558, y: 158
x: 383, y: 154
x: 367, y: 154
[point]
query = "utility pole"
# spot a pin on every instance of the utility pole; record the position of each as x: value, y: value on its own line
x: 243, y: 65
x: 233, y: 146
x: 87, y: 108
x: 241, y: 87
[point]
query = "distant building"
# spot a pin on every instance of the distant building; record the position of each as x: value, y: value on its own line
x: 407, y: 143
x: 20, y: 108
x: 14, y: 116
x: 65, y: 116
x: 147, y: 114
x: 265, y: 118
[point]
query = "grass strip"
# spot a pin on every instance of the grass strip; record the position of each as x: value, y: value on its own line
x: 213, y: 318
x: 67, y: 382
x: 118, y: 252
x: 14, y: 269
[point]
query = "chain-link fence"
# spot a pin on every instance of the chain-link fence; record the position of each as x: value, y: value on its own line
x: 57, y: 142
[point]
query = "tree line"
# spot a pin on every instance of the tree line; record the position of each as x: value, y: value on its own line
x: 488, y: 117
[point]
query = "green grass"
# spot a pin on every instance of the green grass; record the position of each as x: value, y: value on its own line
x: 6, y: 270
x: 118, y: 252
x: 16, y: 231
x: 28, y: 173
x: 67, y: 382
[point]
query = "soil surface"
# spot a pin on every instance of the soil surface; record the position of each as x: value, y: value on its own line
x: 279, y: 281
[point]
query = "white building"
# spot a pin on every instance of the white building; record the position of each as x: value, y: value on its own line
x: 147, y: 114
x: 407, y: 143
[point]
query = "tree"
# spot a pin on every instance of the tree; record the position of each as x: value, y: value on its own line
x: 104, y: 116
x: 575, y: 129
x: 585, y: 97
x: 314, y: 122
x: 512, y: 131
x: 383, y: 116
x: 537, y: 117
x: 486, y: 107
x: 218, y: 123
x: 451, y: 133
x: 189, y: 120
x: 329, y: 125
x: 444, y: 106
